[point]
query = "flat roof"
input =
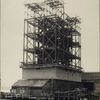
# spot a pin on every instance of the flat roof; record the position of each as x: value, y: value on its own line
x: 30, y: 83
x: 92, y: 76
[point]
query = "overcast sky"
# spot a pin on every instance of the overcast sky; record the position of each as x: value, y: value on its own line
x: 12, y: 17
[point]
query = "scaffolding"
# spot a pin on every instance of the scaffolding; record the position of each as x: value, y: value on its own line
x: 51, y: 37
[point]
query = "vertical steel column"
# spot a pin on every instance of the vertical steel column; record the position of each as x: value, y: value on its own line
x: 24, y: 43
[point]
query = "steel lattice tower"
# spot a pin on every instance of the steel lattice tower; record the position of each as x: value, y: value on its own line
x: 51, y: 36
x: 51, y: 66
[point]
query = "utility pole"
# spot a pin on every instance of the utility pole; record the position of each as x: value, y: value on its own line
x: 0, y: 46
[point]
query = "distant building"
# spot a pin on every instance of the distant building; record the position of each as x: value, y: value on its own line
x: 93, y: 77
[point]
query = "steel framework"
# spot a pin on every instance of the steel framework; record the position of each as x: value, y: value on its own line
x: 51, y: 37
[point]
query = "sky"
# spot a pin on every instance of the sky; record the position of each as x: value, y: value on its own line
x: 12, y: 26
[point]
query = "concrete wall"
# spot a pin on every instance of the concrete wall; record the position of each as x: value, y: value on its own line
x: 51, y: 73
x: 68, y: 75
x: 42, y: 73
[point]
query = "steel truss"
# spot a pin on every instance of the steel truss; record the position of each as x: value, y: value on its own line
x: 51, y: 36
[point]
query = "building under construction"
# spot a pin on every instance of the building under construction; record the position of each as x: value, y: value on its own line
x: 51, y: 67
